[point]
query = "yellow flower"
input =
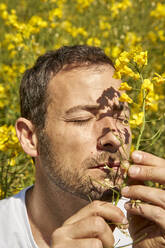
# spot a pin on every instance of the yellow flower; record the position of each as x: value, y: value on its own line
x: 11, y: 161
x: 124, y: 57
x: 38, y: 22
x: 2, y: 104
x: 2, y: 194
x: 4, y: 15
x: 136, y: 119
x: 82, y: 4
x: 125, y: 98
x: 147, y: 85
x: 159, y: 12
x: 11, y: 46
x: 66, y: 25
x: 116, y: 51
x: 82, y: 31
x: 104, y: 25
x: 159, y: 80
x: 3, y: 137
x: 3, y: 6
x: 121, y: 65
x: 107, y: 51
x: 129, y: 72
x: 161, y: 35
x: 152, y: 36
x: 8, y: 138
x: 93, y: 41
x: 125, y: 86
x: 21, y: 68
x: 151, y: 99
x: 131, y: 39
x: 141, y: 59
x: 117, y: 7
x: 57, y: 12
x: 2, y: 90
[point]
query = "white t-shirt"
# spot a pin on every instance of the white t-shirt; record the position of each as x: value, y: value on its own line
x: 15, y: 231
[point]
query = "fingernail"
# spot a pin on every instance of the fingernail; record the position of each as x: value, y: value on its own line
x: 125, y: 190
x: 125, y: 221
x: 134, y: 170
x: 127, y: 206
x: 137, y: 156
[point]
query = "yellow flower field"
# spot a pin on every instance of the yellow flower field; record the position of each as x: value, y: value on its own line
x: 29, y: 28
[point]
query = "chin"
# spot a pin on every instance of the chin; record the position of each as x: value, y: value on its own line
x: 111, y: 195
x: 108, y: 194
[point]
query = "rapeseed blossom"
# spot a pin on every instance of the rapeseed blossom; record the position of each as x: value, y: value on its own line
x: 118, y: 6
x: 93, y: 41
x: 159, y: 12
x: 11, y: 161
x: 136, y: 119
x: 2, y: 93
x: 55, y: 13
x: 146, y: 97
x: 83, y: 4
x: 125, y: 98
x: 141, y: 59
x: 158, y: 79
x: 125, y: 86
x: 8, y: 138
x: 147, y: 86
x: 132, y: 39
x: 115, y: 51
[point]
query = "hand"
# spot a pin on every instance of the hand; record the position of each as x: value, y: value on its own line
x: 148, y: 217
x: 88, y: 228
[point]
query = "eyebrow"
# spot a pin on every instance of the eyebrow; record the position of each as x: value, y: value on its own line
x: 89, y: 108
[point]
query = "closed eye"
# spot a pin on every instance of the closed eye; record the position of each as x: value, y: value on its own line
x: 80, y: 122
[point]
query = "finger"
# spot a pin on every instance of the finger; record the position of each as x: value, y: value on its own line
x: 80, y: 243
x: 146, y: 233
x: 90, y: 227
x: 133, y: 181
x: 146, y: 194
x: 103, y: 209
x: 145, y: 158
x: 150, y: 212
x: 143, y: 173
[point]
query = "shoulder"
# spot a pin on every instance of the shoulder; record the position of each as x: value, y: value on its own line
x: 12, y: 218
x: 8, y: 204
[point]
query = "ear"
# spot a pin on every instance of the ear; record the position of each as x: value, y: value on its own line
x: 26, y: 134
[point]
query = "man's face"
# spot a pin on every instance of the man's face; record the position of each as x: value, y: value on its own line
x: 86, y: 135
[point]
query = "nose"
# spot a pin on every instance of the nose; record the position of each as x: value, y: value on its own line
x: 109, y: 139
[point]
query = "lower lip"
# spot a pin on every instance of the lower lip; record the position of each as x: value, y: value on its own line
x: 107, y: 170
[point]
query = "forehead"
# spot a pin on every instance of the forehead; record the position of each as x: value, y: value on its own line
x: 82, y: 86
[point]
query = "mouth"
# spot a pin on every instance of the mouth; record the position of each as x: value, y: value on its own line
x: 108, y: 166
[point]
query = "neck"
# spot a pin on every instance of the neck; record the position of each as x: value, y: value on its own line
x: 48, y: 207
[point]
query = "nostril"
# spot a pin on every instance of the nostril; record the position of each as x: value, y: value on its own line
x: 108, y: 145
x: 105, y: 145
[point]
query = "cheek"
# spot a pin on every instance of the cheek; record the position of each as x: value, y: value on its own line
x: 76, y: 139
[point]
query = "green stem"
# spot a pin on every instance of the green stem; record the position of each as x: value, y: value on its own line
x: 143, y: 124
